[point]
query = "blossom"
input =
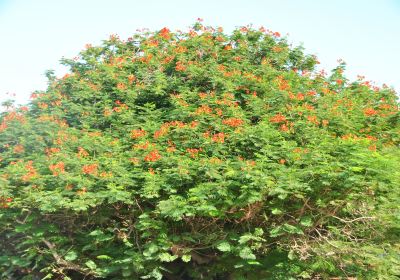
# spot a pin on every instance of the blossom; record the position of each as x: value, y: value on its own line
x: 180, y: 67
x: 370, y: 112
x: 90, y: 168
x: 165, y: 33
x: 137, y: 133
x: 233, y: 122
x: 204, y: 109
x: 57, y: 168
x: 82, y: 152
x: 152, y: 156
x: 218, y: 137
x: 31, y: 171
x: 278, y: 118
x: 19, y: 149
x: 121, y: 86
x: 193, y: 152
x: 313, y: 119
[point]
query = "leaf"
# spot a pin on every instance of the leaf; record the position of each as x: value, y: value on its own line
x: 247, y: 254
x: 91, y: 264
x: 224, y: 247
x: 71, y: 256
x: 186, y: 258
x: 306, y: 221
x: 103, y: 257
x: 276, y: 211
x: 275, y: 232
x: 166, y: 257
x: 291, y: 255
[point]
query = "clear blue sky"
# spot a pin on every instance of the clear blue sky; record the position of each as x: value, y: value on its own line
x: 35, y: 34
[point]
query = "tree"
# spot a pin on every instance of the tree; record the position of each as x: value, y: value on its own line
x: 201, y: 155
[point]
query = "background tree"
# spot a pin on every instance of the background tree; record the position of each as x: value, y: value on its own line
x: 200, y: 155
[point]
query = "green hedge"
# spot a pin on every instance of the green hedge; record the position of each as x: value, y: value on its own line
x: 201, y: 155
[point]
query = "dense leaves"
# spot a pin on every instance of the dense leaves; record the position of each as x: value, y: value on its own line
x: 201, y: 155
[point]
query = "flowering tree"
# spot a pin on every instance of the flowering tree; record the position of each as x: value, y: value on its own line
x: 200, y: 155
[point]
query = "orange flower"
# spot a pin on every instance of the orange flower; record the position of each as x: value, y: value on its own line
x: 233, y: 122
x: 42, y: 105
x: 276, y: 34
x: 218, y: 137
x: 300, y: 96
x: 82, y: 152
x: 31, y: 171
x: 142, y: 146
x: 194, y: 124
x: 193, y: 152
x: 81, y: 191
x: 202, y: 95
x: 370, y: 112
x: 121, y: 86
x: 89, y: 168
x: 171, y: 149
x: 57, y: 168
x: 134, y: 160
x: 131, y: 78
x: 19, y: 149
x: 228, y: 47
x: 180, y: 67
x: 284, y: 128
x: 203, y: 109
x: 313, y: 119
x: 278, y: 118
x: 137, y: 133
x: 165, y: 33
x: 372, y: 148
x: 107, y: 112
x: 152, y: 156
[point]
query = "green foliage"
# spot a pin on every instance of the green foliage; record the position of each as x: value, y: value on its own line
x: 200, y: 155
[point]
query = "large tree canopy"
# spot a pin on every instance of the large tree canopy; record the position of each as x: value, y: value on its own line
x: 201, y: 155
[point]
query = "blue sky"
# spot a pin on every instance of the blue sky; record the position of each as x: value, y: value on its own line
x: 36, y: 34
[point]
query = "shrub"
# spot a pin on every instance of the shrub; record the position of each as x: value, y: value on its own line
x: 200, y: 155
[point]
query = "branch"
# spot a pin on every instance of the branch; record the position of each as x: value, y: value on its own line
x: 63, y: 263
x: 354, y: 220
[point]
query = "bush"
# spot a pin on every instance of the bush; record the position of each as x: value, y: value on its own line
x: 201, y: 155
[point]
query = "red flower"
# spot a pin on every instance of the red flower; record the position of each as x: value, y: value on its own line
x: 31, y: 171
x: 204, y: 109
x: 121, y: 86
x: 278, y: 118
x: 180, y: 67
x: 152, y: 156
x: 19, y: 149
x: 233, y: 122
x: 165, y: 33
x: 218, y: 137
x: 82, y: 152
x: 193, y: 152
x: 370, y: 112
x: 313, y: 119
x: 89, y: 169
x: 137, y: 133
x: 57, y: 168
